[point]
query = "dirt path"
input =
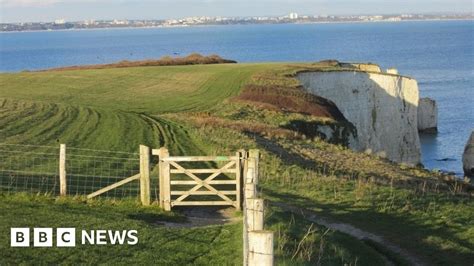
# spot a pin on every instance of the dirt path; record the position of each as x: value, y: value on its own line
x: 352, y: 231
x: 205, y: 216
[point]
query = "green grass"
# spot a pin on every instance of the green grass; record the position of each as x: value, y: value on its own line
x: 42, y: 123
x: 139, y: 89
x: 300, y: 242
x: 190, y: 110
x: 158, y: 244
x: 434, y: 227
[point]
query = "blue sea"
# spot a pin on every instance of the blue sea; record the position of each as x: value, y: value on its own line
x: 439, y: 54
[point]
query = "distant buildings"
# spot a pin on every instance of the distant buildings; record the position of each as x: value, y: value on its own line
x: 375, y: 18
x: 60, y: 21
x: 394, y: 19
x: 62, y: 24
x: 293, y: 16
x: 120, y: 22
x: 89, y: 22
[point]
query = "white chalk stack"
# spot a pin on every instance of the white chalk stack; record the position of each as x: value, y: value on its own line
x: 427, y: 116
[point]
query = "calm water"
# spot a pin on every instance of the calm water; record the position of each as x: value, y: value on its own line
x: 440, y: 55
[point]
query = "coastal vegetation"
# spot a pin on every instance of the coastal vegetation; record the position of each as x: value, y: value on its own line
x: 217, y: 109
x: 192, y: 59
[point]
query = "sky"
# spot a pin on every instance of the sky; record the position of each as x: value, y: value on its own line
x: 76, y: 10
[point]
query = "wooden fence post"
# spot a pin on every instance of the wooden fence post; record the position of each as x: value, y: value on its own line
x: 165, y: 185
x: 258, y: 244
x: 251, y: 177
x: 242, y: 169
x: 254, y: 156
x: 160, y: 176
x: 260, y: 248
x: 244, y: 207
x: 145, y: 175
x: 250, y: 192
x: 62, y: 170
x: 254, y: 214
x: 238, y: 180
x: 250, y: 171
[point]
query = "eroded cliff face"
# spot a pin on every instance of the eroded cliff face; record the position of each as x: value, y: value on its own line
x: 381, y: 106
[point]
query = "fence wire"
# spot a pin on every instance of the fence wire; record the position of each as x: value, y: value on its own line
x: 35, y: 169
x: 29, y: 168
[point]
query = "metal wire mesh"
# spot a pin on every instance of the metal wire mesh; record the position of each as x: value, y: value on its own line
x: 29, y: 168
x: 35, y: 169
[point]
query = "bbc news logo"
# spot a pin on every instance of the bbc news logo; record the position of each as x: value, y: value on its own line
x: 66, y: 237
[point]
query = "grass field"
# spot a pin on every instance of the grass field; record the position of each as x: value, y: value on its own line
x: 194, y: 110
x: 140, y: 89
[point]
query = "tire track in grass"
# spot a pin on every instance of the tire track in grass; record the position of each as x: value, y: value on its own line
x: 84, y: 127
x: 19, y: 122
x: 173, y: 136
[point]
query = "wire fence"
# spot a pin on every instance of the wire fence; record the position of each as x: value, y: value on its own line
x: 35, y: 169
x: 29, y: 168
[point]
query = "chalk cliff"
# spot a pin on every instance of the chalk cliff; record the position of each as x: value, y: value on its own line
x: 381, y: 106
x: 468, y: 157
x: 427, y: 115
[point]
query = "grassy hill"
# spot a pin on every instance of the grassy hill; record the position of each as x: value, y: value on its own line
x: 218, y: 109
x: 137, y: 89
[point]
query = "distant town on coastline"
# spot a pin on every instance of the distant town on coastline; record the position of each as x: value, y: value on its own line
x: 63, y: 24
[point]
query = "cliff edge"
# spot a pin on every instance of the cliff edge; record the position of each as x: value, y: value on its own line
x: 381, y: 106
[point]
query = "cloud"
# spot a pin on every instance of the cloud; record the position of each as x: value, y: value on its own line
x: 36, y: 3
x: 27, y: 3
x: 39, y: 3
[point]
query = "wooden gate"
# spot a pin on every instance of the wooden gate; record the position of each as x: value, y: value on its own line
x: 222, y: 183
